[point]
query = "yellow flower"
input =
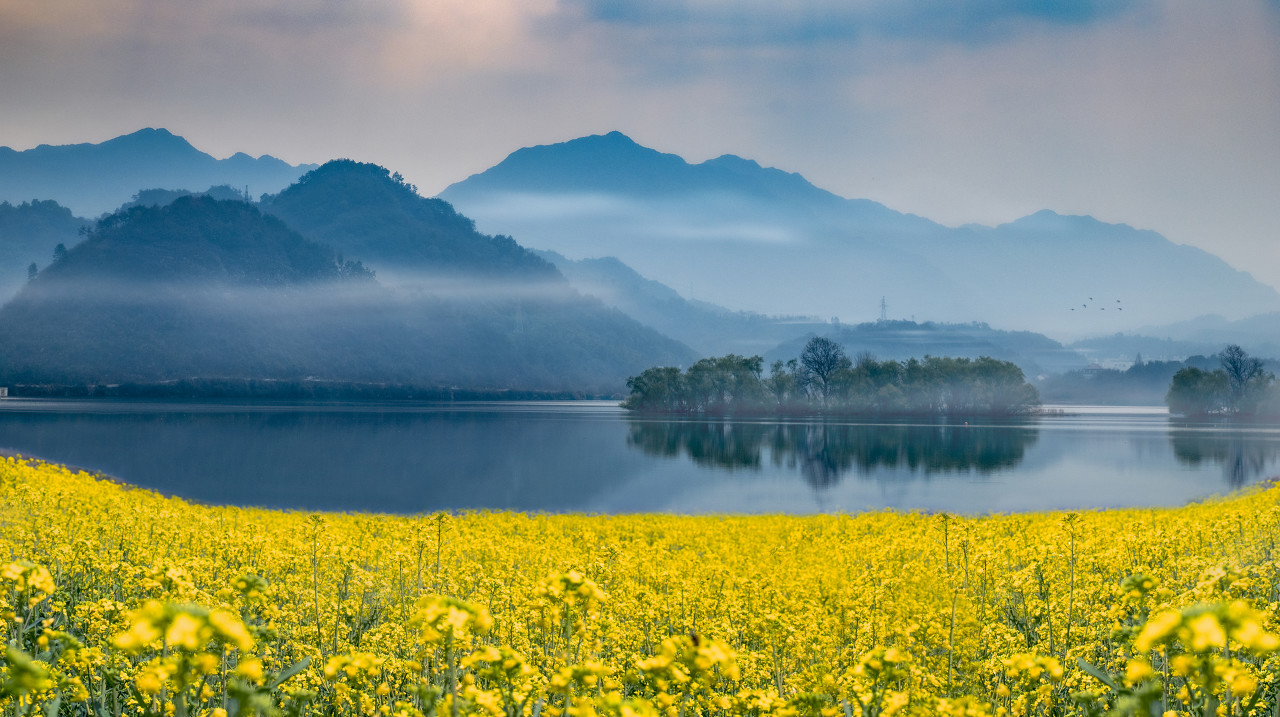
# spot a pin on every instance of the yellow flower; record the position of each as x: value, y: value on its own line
x: 206, y: 664
x: 230, y: 629
x: 1182, y: 665
x: 251, y: 670
x: 1206, y: 632
x: 185, y: 632
x: 1242, y: 684
x: 1157, y: 630
x: 152, y: 678
x: 1137, y: 671
x: 24, y: 675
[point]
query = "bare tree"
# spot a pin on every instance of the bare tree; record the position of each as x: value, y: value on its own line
x: 1245, y: 374
x: 821, y: 359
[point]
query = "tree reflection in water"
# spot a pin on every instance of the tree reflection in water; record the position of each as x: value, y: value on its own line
x: 822, y: 452
x: 1243, y: 457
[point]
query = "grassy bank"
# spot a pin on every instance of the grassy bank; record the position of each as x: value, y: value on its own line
x: 121, y: 601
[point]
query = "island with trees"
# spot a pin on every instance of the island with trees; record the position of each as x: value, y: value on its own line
x: 824, y: 380
x: 1240, y: 387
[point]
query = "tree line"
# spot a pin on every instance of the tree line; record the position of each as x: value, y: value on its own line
x: 1240, y: 386
x: 823, y: 379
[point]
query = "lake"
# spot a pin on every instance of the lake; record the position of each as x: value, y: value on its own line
x: 593, y: 457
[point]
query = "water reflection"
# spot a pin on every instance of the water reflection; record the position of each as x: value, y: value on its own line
x: 823, y: 452
x: 1244, y: 458
x: 592, y: 457
x: 395, y: 458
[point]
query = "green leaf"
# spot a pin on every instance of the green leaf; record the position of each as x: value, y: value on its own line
x: 1103, y: 677
x: 288, y: 672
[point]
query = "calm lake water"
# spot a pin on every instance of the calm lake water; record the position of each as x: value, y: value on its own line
x: 593, y: 457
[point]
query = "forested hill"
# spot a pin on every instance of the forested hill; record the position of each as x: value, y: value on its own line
x: 367, y: 213
x: 196, y: 239
x: 29, y: 232
x: 205, y: 291
x: 196, y: 288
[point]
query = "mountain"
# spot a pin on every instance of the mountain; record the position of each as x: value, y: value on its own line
x: 1122, y: 349
x: 366, y: 213
x: 709, y: 329
x: 193, y: 240
x: 92, y: 179
x: 1035, y: 354
x: 29, y: 233
x: 714, y: 331
x: 753, y: 238
x: 159, y: 293
x: 1258, y: 334
x: 207, y: 290
x: 1205, y: 335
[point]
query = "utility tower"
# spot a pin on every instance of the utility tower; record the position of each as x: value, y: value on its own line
x: 884, y: 310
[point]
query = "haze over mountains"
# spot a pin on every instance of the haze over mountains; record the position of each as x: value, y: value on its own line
x: 348, y: 274
x: 206, y: 289
x: 736, y: 234
x: 29, y: 233
x: 91, y: 179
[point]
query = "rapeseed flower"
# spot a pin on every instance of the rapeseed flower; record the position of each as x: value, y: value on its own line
x: 144, y: 606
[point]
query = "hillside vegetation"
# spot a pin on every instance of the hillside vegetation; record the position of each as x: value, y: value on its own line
x: 203, y: 290
x: 29, y: 234
x: 365, y: 212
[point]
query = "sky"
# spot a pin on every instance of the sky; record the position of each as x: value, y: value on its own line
x: 1162, y: 114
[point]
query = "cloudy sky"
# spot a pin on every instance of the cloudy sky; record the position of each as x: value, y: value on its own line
x: 1161, y: 114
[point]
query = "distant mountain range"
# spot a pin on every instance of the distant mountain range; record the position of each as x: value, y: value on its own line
x: 751, y: 238
x: 205, y: 289
x: 91, y: 179
x: 344, y: 273
x: 1205, y: 335
x: 1036, y: 354
x: 709, y: 329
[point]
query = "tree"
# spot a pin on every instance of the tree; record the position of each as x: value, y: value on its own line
x: 784, y: 382
x: 661, y: 389
x: 32, y: 270
x: 59, y: 252
x: 724, y: 383
x: 1246, y: 378
x: 1195, y: 392
x: 821, y: 359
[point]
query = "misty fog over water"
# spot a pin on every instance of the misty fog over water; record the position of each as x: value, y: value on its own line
x: 593, y: 457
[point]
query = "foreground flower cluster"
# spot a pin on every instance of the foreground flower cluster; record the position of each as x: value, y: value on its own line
x: 118, y: 601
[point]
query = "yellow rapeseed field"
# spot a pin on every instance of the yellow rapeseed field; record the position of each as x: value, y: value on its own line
x: 120, y: 601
